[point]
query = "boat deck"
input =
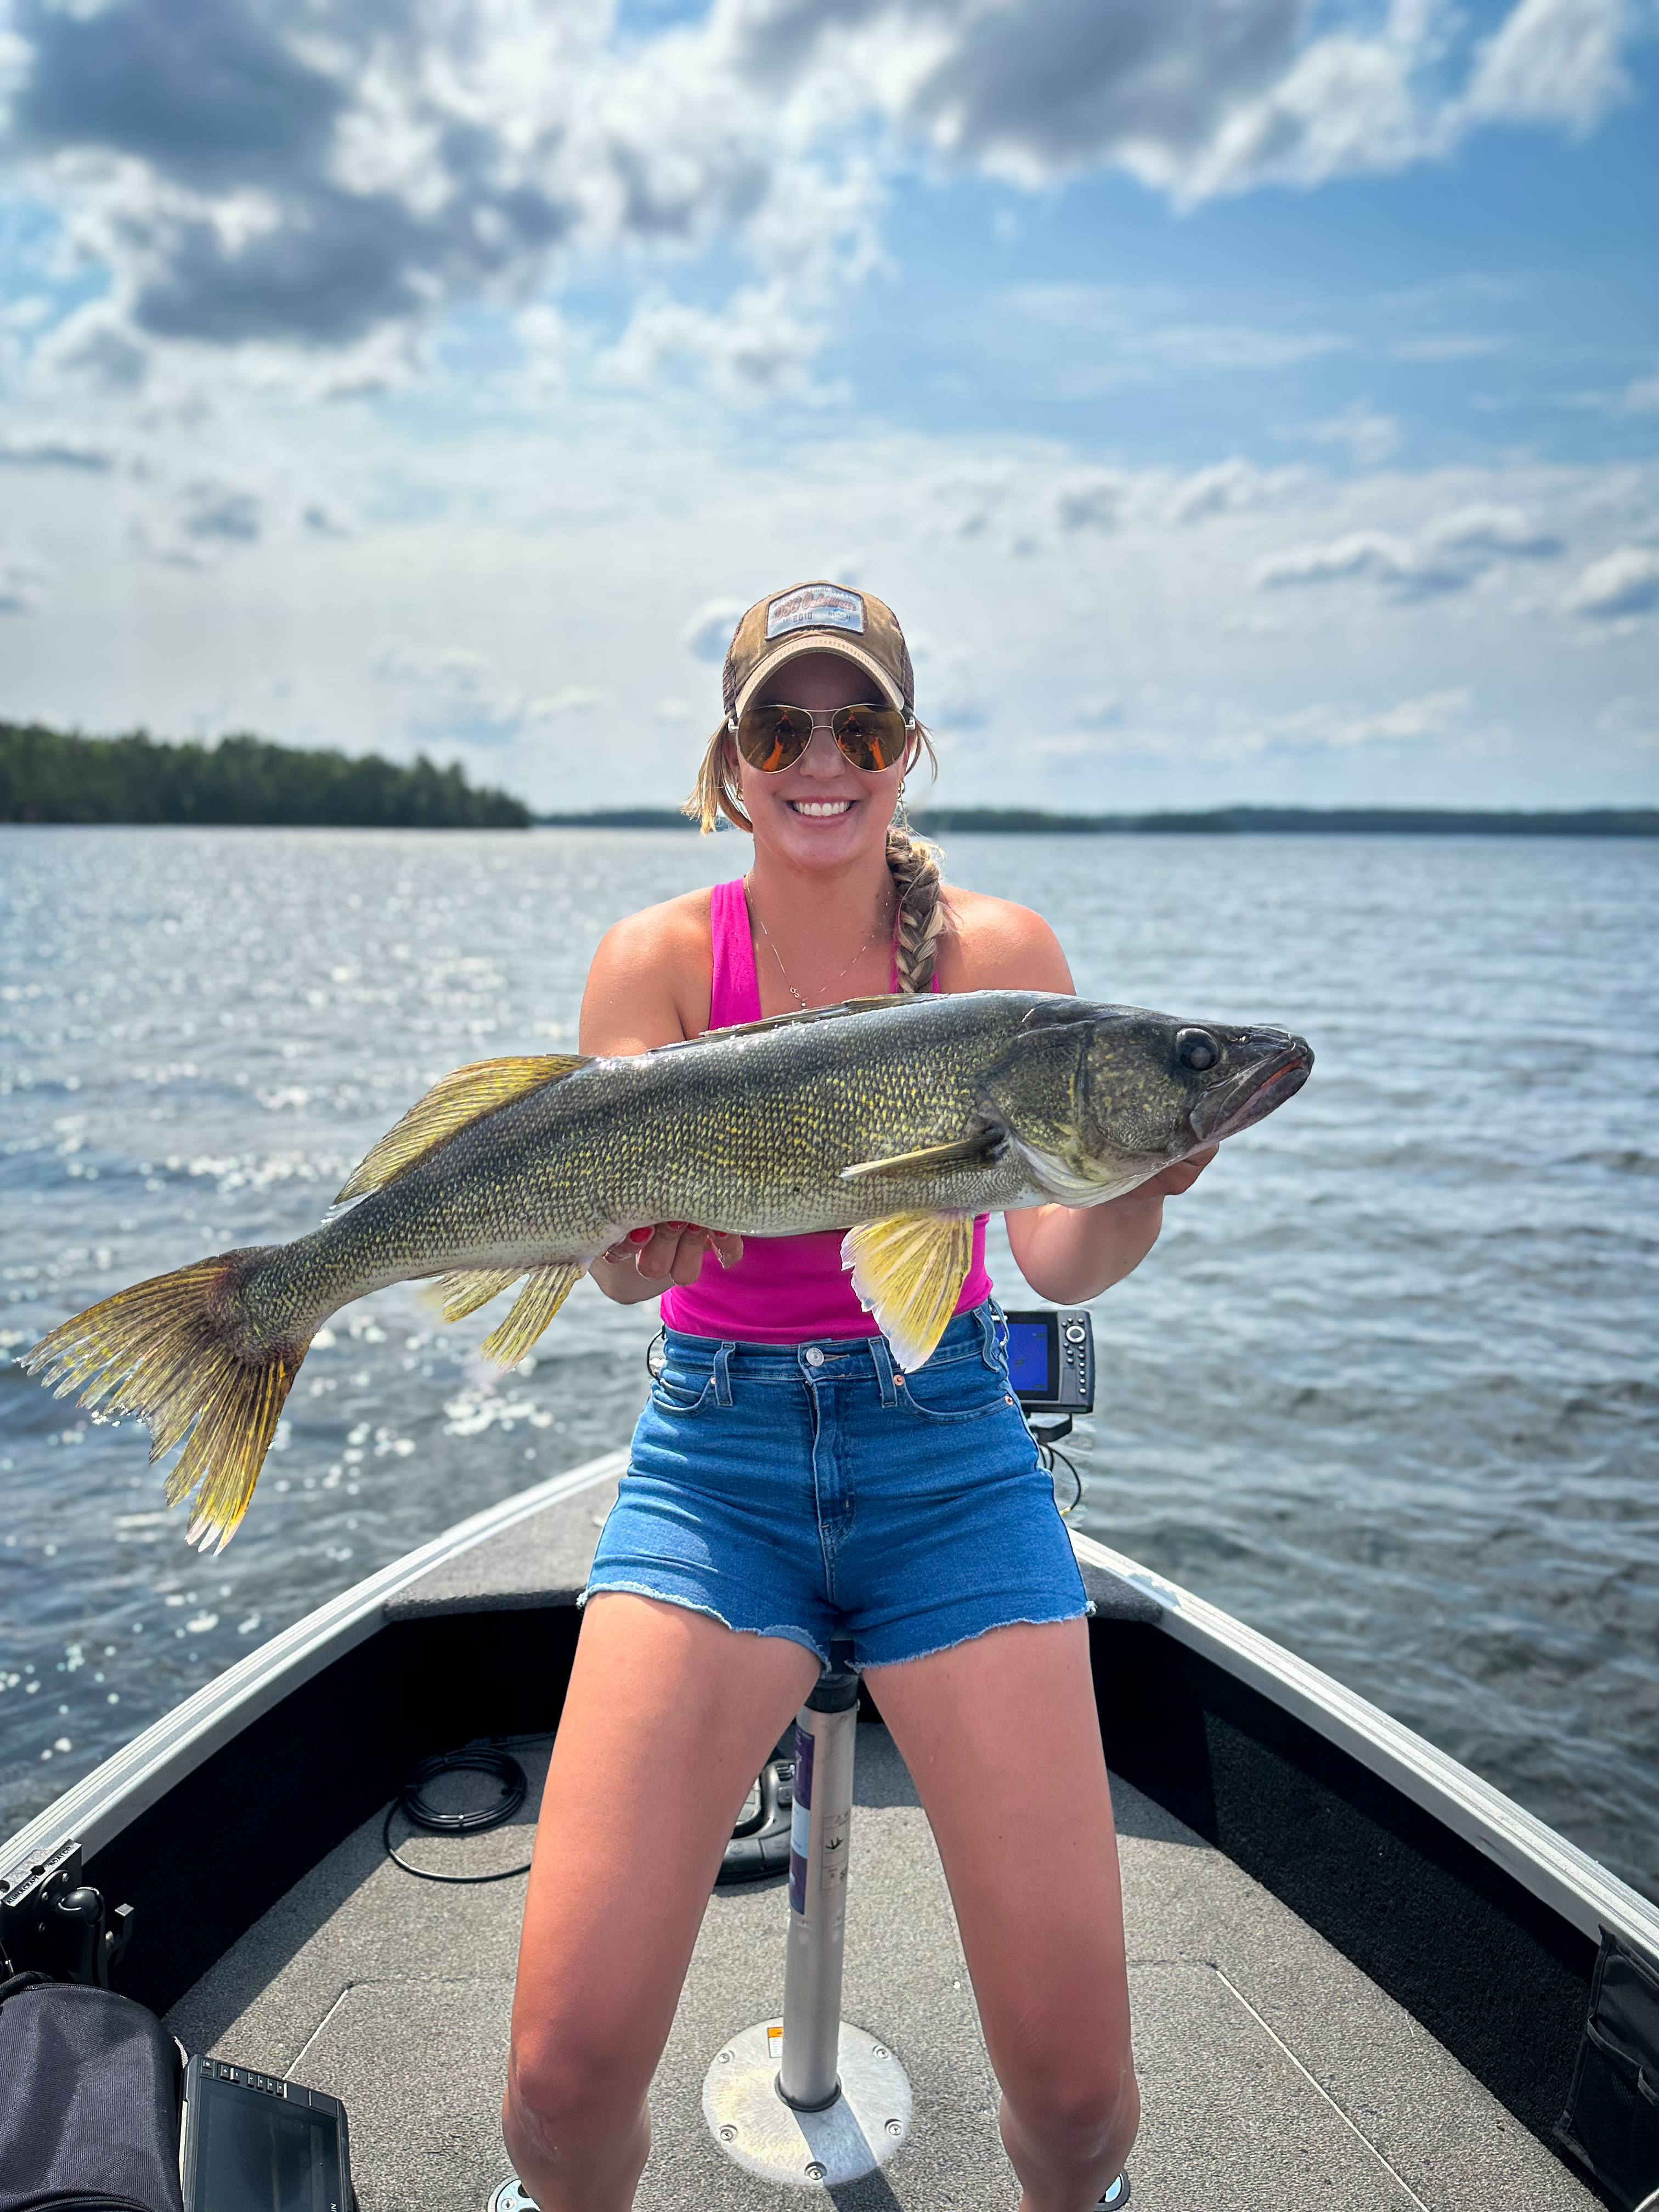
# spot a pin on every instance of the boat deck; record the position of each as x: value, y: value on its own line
x: 1274, y: 2073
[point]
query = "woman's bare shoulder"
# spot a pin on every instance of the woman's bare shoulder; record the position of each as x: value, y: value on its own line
x: 649, y: 980
x: 992, y: 945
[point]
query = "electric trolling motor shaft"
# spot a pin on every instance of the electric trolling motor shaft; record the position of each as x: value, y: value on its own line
x: 826, y: 1730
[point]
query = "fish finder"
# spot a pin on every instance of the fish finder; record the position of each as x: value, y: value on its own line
x: 253, y: 2142
x: 1051, y: 1360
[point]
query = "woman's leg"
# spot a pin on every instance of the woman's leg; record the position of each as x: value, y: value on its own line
x: 669, y: 1717
x: 1001, y: 1738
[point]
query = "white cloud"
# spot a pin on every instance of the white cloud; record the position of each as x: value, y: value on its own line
x: 47, y: 448
x: 1370, y: 437
x: 1451, y: 552
x: 328, y: 182
x: 1093, y: 499
x: 1553, y: 61
x: 457, y: 697
x: 22, y: 578
x: 1622, y: 586
x: 709, y: 632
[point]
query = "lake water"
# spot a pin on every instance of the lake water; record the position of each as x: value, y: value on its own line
x: 1386, y: 1389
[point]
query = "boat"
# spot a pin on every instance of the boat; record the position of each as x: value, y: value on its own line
x: 1361, y: 1976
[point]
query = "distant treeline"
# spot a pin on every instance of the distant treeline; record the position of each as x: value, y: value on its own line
x: 47, y: 776
x: 1400, y: 821
x: 1025, y: 820
x: 620, y: 817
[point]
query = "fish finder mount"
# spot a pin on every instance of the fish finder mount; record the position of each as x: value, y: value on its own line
x: 53, y: 1921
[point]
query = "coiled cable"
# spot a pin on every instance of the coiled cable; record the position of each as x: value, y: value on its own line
x: 418, y: 1808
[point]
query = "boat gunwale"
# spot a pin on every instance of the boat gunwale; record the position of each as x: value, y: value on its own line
x: 1560, y: 1876
x: 126, y: 1784
x: 1557, y: 1873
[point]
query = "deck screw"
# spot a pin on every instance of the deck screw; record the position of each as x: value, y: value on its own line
x: 815, y: 2172
x: 726, y: 2058
x: 894, y: 2129
x: 728, y: 2133
x: 880, y: 2050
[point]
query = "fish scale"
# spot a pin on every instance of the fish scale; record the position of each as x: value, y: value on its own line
x: 894, y: 1120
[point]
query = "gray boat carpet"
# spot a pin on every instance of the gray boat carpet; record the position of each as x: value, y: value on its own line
x: 1274, y: 2076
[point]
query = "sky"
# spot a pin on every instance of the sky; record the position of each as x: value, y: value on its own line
x: 1238, y: 401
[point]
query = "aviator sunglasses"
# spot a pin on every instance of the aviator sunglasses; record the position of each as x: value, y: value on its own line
x: 771, y: 738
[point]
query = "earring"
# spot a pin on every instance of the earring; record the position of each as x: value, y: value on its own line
x: 901, y: 811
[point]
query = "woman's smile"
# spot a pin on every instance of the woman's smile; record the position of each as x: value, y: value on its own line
x: 819, y: 809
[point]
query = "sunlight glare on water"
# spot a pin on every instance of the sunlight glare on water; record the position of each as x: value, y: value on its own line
x: 1385, y: 1390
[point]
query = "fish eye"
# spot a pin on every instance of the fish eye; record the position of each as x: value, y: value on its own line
x: 1197, y: 1049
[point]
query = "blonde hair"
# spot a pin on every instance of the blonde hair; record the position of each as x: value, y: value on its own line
x: 912, y: 861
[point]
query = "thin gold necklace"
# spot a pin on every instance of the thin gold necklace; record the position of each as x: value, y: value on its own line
x: 802, y: 1003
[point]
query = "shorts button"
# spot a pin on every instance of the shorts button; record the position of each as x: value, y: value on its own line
x: 814, y: 1357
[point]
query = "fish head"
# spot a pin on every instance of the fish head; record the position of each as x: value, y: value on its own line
x: 1097, y: 1098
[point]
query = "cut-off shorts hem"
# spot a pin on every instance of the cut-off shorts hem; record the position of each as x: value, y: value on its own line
x: 817, y: 1493
x: 783, y: 1633
x: 780, y: 1630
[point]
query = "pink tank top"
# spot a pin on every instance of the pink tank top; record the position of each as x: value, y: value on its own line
x: 784, y: 1289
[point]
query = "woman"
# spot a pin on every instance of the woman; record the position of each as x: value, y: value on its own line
x: 928, y: 1533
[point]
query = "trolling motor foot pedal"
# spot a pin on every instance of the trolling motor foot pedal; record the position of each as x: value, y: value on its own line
x: 865, y: 2123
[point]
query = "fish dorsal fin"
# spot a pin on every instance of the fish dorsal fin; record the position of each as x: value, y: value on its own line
x: 535, y: 1306
x: 907, y: 1270
x: 799, y: 1015
x: 984, y: 1149
x: 463, y: 1096
x: 464, y: 1290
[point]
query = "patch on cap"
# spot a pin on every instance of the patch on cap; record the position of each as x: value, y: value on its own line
x: 815, y: 606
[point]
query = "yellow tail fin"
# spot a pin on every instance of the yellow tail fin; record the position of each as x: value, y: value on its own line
x: 173, y: 1351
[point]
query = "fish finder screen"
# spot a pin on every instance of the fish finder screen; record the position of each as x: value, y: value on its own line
x: 260, y: 2153
x: 1029, y: 1368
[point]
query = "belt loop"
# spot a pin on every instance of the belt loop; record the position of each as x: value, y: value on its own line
x: 723, y: 1372
x: 993, y: 1334
x: 882, y: 1360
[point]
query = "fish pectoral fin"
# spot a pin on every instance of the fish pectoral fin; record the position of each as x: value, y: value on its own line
x: 908, y: 1270
x: 463, y: 1096
x: 982, y: 1150
x: 535, y: 1306
x: 464, y: 1290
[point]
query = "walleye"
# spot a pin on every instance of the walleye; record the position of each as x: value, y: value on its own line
x: 896, y: 1119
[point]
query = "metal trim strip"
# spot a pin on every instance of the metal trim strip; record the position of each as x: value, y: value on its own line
x: 1556, y: 1872
x: 134, y: 1778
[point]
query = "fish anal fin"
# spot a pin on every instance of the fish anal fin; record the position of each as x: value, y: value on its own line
x: 908, y: 1270
x: 463, y: 1096
x: 464, y: 1290
x: 535, y: 1306
x: 984, y: 1149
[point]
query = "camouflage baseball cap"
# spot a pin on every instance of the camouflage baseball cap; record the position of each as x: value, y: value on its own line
x: 818, y: 617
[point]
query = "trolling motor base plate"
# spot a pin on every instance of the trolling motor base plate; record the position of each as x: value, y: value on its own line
x: 751, y: 2122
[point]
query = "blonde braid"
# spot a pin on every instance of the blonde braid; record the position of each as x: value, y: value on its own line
x: 913, y: 864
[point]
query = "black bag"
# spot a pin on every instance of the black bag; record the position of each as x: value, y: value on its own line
x: 89, y: 2103
x: 1612, y: 2120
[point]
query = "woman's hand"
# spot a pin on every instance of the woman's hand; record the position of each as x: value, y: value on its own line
x: 1170, y: 1182
x: 1069, y: 1254
x: 645, y: 1261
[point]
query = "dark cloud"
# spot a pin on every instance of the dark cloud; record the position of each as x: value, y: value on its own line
x: 203, y: 90
x: 56, y: 449
x: 213, y: 99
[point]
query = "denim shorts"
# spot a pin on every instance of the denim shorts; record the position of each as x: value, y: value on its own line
x: 811, y: 1490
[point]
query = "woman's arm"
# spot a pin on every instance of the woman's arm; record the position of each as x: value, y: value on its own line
x: 649, y: 986
x: 1066, y: 1254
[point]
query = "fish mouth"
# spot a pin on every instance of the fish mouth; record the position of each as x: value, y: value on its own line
x: 1254, y: 1094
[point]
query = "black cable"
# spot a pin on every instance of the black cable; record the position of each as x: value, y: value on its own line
x: 1046, y: 1455
x: 476, y: 1759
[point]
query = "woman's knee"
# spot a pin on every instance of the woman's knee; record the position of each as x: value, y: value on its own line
x: 1081, y: 2102
x: 568, y: 2093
